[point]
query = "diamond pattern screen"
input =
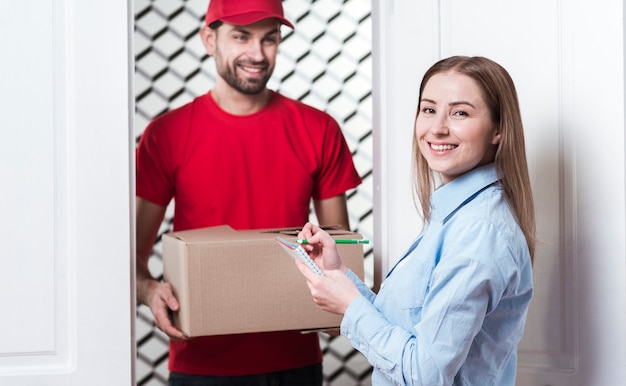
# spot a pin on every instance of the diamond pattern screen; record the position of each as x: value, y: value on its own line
x: 325, y: 62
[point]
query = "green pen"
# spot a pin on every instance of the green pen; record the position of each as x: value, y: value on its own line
x: 350, y: 241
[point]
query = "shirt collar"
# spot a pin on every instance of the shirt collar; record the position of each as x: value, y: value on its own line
x: 448, y: 197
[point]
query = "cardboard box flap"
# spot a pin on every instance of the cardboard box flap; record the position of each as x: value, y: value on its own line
x: 203, y: 235
x: 333, y: 230
x: 225, y: 233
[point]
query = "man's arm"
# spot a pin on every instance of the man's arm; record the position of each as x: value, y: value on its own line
x: 332, y: 211
x: 156, y: 295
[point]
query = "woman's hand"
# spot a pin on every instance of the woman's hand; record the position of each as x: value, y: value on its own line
x: 334, y: 291
x: 321, y: 248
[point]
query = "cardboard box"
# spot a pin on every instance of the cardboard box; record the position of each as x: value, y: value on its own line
x: 230, y: 282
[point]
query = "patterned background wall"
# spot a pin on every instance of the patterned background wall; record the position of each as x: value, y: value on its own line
x: 325, y: 62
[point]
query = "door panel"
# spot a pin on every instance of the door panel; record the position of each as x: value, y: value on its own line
x: 66, y: 276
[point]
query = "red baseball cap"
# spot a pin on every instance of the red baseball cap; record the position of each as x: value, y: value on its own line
x: 243, y: 12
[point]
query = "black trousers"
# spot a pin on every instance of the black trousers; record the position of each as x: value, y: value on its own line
x: 302, y: 376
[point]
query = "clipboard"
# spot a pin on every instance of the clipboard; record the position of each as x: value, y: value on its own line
x: 297, y: 253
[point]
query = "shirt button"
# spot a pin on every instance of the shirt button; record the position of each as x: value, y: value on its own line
x: 349, y: 336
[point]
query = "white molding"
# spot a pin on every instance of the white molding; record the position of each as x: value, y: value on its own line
x: 397, y: 68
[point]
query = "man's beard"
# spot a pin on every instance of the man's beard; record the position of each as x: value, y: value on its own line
x: 245, y: 86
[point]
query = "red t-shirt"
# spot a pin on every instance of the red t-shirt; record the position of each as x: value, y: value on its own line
x: 250, y: 172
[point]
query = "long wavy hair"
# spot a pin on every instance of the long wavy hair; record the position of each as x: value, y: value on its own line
x: 498, y: 91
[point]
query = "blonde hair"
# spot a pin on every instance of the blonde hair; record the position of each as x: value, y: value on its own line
x: 498, y: 91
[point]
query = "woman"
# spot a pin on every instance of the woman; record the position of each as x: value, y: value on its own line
x: 452, y: 310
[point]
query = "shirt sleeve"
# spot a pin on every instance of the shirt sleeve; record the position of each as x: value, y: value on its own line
x: 154, y: 177
x: 338, y: 173
x: 362, y: 287
x: 463, y: 287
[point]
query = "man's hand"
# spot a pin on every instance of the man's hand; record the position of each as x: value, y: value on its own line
x: 162, y: 301
x: 156, y: 295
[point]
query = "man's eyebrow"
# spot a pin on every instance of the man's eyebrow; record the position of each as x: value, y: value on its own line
x: 244, y: 31
x: 273, y: 32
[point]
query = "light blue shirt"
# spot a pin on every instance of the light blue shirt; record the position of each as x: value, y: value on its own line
x: 452, y: 310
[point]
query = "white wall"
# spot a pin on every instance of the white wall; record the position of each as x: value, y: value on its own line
x: 566, y: 58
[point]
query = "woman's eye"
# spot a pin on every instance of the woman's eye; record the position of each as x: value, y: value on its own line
x: 428, y: 110
x: 460, y: 113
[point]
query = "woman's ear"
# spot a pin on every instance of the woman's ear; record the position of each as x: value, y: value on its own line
x: 497, y: 135
x: 208, y: 36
